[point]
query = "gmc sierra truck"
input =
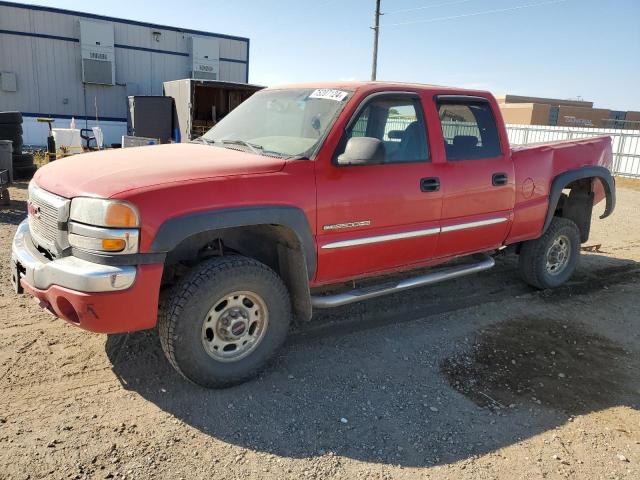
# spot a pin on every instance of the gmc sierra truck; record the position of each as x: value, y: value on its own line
x: 221, y: 242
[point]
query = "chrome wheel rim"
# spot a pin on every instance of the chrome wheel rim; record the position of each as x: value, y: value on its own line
x: 558, y: 255
x: 235, y: 326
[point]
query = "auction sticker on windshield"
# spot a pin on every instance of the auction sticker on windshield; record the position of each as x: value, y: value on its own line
x: 329, y: 94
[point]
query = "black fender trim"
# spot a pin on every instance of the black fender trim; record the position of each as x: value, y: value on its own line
x: 564, y: 179
x: 175, y: 230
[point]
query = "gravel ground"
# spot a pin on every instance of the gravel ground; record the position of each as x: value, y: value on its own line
x: 479, y: 378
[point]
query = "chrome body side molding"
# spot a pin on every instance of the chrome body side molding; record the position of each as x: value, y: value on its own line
x: 479, y: 223
x: 412, y: 234
x: 382, y: 238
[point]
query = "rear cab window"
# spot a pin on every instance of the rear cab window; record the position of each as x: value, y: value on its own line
x: 469, y: 128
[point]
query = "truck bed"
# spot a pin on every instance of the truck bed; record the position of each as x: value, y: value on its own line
x: 535, y: 168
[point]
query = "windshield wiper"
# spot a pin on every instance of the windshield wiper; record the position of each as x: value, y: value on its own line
x: 257, y: 149
x: 254, y: 147
x: 206, y: 141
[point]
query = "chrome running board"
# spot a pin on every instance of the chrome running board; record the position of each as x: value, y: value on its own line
x: 365, y: 293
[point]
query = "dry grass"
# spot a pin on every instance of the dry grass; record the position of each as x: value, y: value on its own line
x: 40, y: 158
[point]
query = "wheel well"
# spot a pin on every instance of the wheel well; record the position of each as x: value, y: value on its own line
x: 576, y: 204
x: 276, y: 246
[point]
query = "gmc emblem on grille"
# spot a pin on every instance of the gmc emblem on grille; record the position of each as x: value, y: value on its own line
x: 33, y: 210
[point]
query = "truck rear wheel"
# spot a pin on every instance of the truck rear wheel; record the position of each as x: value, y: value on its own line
x: 550, y: 260
x: 222, y: 323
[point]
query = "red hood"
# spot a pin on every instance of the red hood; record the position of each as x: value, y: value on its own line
x: 107, y: 173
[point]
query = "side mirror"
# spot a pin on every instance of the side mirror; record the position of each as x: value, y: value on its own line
x: 363, y: 151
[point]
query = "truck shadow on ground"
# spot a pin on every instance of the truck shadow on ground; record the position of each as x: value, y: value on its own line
x: 384, y: 382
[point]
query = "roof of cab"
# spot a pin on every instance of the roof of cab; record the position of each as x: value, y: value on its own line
x: 377, y: 85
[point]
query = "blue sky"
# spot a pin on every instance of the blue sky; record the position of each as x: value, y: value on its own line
x: 566, y: 49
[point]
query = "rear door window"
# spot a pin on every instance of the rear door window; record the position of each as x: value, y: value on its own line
x: 469, y: 129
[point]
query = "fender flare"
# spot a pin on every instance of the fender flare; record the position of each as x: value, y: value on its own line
x: 564, y: 179
x: 177, y: 229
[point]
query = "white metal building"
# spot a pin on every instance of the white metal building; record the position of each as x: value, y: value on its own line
x: 63, y: 64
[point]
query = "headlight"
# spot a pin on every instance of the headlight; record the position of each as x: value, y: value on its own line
x: 104, y: 213
x: 103, y: 226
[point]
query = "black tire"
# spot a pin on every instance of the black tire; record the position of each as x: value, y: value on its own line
x: 24, y: 172
x: 10, y: 117
x: 22, y: 159
x: 182, y: 317
x: 9, y: 131
x: 535, y: 253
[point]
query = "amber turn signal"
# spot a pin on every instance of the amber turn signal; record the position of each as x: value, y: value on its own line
x: 120, y: 215
x: 101, y: 212
x: 113, y: 244
x: 93, y: 244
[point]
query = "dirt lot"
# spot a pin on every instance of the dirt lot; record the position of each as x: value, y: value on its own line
x: 479, y: 378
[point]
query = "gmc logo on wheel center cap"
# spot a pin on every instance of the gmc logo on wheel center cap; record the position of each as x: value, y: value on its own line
x: 238, y: 328
x: 33, y: 210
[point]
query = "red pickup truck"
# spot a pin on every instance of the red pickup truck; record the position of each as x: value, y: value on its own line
x: 223, y: 241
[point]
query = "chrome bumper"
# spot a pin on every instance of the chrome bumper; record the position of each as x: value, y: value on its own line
x: 69, y: 272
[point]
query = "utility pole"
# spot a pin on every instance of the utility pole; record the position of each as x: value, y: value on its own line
x: 376, y: 30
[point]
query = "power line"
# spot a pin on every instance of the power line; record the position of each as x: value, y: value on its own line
x: 485, y: 12
x: 445, y: 4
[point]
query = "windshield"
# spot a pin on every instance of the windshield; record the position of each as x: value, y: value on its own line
x: 287, y: 123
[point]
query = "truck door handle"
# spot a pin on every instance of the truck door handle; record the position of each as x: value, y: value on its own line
x: 430, y: 184
x: 499, y: 179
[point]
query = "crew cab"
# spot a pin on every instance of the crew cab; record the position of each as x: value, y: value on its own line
x: 221, y: 242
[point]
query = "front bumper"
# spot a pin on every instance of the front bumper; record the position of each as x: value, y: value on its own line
x: 98, y: 298
x: 69, y: 272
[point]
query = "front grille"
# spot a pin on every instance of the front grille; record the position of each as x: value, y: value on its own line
x: 46, y: 212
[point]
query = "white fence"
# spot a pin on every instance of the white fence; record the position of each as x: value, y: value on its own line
x: 626, y: 143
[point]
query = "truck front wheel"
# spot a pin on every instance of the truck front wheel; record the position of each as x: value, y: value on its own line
x: 550, y: 260
x: 224, y: 320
